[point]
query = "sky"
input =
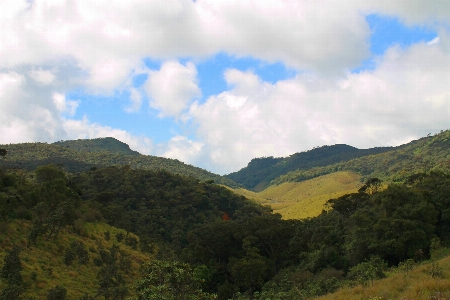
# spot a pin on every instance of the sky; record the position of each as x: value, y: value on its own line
x: 215, y: 83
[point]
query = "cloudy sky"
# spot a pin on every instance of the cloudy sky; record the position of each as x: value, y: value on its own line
x: 215, y: 83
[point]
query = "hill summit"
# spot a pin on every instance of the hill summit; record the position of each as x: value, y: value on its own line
x: 108, y: 144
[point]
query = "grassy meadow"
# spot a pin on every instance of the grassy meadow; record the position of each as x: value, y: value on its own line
x: 416, y: 284
x: 299, y: 200
x: 43, y: 264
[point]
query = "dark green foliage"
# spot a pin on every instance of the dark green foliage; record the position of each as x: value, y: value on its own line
x: 57, y: 293
x: 10, y: 272
x: 111, y: 282
x: 107, y: 235
x: 3, y: 152
x: 167, y: 280
x: 132, y: 242
x: 120, y: 236
x: 159, y: 205
x: 12, y: 291
x: 366, y: 272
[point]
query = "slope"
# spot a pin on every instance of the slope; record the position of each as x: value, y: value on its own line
x: 417, y: 284
x: 108, y: 144
x: 82, y: 155
x: 261, y: 171
x: 299, y: 200
x: 431, y: 153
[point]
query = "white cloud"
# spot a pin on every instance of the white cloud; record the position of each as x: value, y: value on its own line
x: 63, y: 105
x: 42, y: 76
x: 183, y: 149
x: 136, y: 101
x: 83, y: 129
x: 404, y: 98
x: 172, y: 87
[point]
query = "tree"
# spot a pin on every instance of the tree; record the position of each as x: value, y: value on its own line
x: 368, y: 271
x: 10, y: 272
x: 3, y: 153
x: 12, y: 267
x: 57, y: 293
x: 167, y: 280
x: 112, y: 285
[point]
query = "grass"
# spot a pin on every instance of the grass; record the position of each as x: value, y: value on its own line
x: 299, y: 200
x: 414, y: 285
x: 46, y: 259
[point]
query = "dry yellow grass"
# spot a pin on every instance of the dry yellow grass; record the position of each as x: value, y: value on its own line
x: 299, y: 200
x: 49, y: 255
x: 415, y: 285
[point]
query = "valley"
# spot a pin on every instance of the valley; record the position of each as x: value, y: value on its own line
x: 93, y: 219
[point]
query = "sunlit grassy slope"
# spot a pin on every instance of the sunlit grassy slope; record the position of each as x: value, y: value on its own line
x: 298, y: 200
x: 47, y: 259
x: 414, y: 285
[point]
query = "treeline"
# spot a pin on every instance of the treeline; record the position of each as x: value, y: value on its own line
x: 209, y: 243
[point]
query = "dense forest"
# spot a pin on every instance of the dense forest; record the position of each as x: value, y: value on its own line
x: 204, y: 242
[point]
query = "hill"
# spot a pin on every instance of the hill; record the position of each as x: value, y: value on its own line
x: 261, y: 171
x: 82, y: 155
x: 108, y: 144
x: 306, y: 199
x: 388, y: 163
x: 431, y: 153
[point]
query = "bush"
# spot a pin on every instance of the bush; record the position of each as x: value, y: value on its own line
x: 57, y: 293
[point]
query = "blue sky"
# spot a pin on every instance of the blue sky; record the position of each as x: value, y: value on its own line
x: 217, y: 83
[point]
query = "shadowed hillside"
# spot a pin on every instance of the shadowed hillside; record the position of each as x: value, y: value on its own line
x: 82, y: 155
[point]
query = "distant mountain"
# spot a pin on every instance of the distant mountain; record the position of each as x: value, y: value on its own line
x: 82, y: 155
x: 431, y: 153
x: 261, y: 171
x: 108, y: 144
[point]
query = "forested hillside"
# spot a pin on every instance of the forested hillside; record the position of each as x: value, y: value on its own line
x: 108, y: 144
x: 82, y: 155
x: 155, y: 235
x: 388, y: 163
x: 261, y: 171
x: 430, y: 153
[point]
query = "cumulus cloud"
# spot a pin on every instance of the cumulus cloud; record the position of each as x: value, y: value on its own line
x: 84, y: 129
x: 404, y: 98
x: 183, y: 149
x: 172, y: 88
x: 63, y: 105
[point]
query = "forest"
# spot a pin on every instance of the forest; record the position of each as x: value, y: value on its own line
x: 204, y: 242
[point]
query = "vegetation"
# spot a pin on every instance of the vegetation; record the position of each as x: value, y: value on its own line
x: 306, y: 199
x: 261, y: 171
x: 83, y: 155
x: 118, y: 232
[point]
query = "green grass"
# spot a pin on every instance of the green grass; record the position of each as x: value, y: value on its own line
x: 49, y: 255
x: 414, y: 285
x: 299, y: 200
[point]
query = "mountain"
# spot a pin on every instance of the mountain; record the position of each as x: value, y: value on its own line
x: 261, y: 171
x: 387, y: 163
x: 82, y: 155
x: 107, y: 144
x: 431, y: 153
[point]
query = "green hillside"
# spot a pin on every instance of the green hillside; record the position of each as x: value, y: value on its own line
x: 82, y: 155
x: 108, y: 144
x: 430, y: 153
x: 261, y: 171
x: 388, y: 163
